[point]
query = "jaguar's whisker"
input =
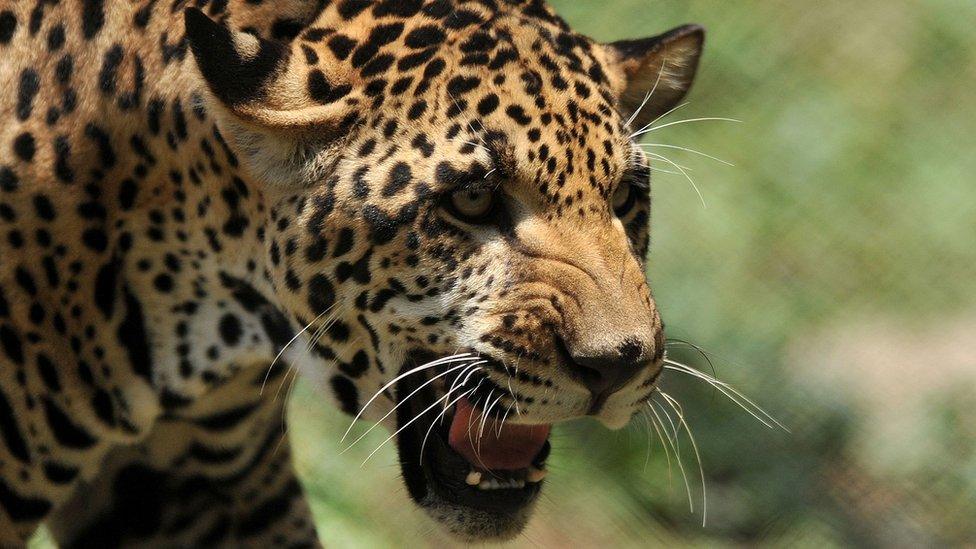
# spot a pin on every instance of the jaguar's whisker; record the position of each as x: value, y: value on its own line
x: 508, y: 381
x: 647, y: 430
x: 311, y: 343
x: 477, y: 452
x: 438, y: 418
x: 405, y: 425
x: 498, y: 432
x: 484, y: 420
x: 684, y: 172
x: 432, y: 364
x: 684, y: 121
x: 648, y: 96
x: 285, y: 347
x: 677, y: 457
x: 662, y: 115
x: 686, y: 149
x: 470, y: 124
x: 701, y: 352
x: 284, y: 424
x: 402, y: 401
x: 660, y: 170
x: 729, y: 391
x: 320, y: 331
x: 676, y: 406
x: 655, y: 422
x: 291, y: 371
x: 466, y: 373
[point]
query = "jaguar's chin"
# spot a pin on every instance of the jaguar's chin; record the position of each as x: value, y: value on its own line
x: 477, y: 480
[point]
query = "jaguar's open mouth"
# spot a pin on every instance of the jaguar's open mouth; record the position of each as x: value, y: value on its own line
x: 475, y: 473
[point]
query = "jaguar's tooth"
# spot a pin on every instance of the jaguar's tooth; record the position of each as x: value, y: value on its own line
x: 535, y: 475
x: 473, y: 478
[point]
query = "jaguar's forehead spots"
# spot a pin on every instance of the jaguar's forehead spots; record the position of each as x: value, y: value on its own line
x: 516, y: 96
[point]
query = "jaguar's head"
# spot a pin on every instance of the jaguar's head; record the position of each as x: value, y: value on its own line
x: 458, y: 213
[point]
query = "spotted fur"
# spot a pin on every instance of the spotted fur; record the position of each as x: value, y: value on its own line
x: 182, y: 190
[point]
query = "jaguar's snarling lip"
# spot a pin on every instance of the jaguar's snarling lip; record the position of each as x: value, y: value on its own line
x: 475, y: 473
x: 508, y: 447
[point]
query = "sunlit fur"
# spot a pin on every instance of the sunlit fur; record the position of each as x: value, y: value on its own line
x: 219, y: 197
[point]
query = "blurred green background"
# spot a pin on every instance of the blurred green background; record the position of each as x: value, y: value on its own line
x: 831, y: 277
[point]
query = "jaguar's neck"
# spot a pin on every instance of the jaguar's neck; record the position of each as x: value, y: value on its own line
x: 190, y: 222
x: 185, y: 187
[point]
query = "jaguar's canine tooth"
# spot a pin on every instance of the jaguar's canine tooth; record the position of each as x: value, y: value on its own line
x: 473, y: 478
x: 535, y: 475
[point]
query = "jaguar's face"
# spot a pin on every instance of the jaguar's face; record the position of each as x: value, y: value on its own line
x: 520, y: 298
x: 469, y: 254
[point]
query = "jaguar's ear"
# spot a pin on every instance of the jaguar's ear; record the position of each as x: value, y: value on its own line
x: 665, y: 64
x: 280, y: 111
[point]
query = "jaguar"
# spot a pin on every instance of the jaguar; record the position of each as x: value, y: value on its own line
x: 433, y: 211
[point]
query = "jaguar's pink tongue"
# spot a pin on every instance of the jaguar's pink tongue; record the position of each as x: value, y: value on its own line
x: 513, y: 448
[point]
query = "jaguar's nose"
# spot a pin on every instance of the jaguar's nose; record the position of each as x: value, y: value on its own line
x: 605, y: 372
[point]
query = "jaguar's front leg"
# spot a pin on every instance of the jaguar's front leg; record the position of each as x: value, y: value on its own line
x: 218, y: 474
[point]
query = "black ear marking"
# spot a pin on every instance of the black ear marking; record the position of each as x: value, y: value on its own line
x: 666, y: 63
x: 236, y: 65
x: 641, y: 47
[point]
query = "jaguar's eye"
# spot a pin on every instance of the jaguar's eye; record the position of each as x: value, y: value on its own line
x: 622, y: 199
x: 472, y: 206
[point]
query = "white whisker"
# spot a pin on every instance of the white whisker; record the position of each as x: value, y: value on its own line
x: 438, y: 418
x: 405, y: 425
x: 675, y: 440
x: 446, y: 360
x: 470, y: 125
x: 518, y: 412
x: 498, y: 432
x: 320, y: 332
x: 684, y: 172
x: 729, y: 391
x: 649, y: 94
x: 694, y: 446
x: 484, y: 419
x: 648, y: 166
x: 402, y: 401
x: 647, y: 428
x: 677, y: 456
x: 290, y: 341
x: 284, y: 382
x: 472, y: 418
x: 667, y: 453
x: 662, y: 115
x: 467, y: 375
x: 685, y: 121
x: 661, y: 170
x: 686, y: 149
